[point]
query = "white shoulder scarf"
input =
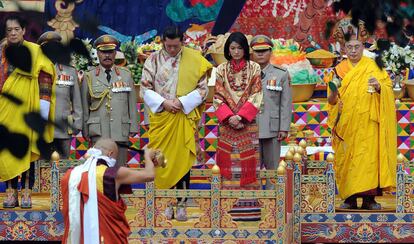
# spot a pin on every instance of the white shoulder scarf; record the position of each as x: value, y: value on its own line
x: 90, y: 216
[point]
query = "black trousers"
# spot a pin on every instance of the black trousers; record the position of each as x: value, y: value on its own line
x: 183, y: 183
x: 31, y: 178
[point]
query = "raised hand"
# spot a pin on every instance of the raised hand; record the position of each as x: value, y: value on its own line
x: 372, y: 81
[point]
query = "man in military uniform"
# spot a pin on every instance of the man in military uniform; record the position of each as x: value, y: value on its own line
x: 68, y: 112
x: 109, y: 99
x: 276, y: 111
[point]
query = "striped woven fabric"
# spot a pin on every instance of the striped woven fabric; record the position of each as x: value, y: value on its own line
x: 244, y: 209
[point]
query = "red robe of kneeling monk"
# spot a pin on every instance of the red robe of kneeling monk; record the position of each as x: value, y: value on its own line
x: 113, y: 225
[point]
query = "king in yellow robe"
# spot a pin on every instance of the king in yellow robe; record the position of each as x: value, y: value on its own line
x: 183, y: 76
x: 365, y: 140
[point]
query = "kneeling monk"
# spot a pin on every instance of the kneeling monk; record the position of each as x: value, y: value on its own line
x: 91, y: 195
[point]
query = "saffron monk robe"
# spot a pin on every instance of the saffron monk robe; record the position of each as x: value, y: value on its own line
x: 91, y: 195
x: 363, y: 121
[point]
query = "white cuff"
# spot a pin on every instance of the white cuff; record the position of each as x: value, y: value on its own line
x: 153, y: 100
x: 212, y: 79
x: 44, y: 109
x: 191, y: 101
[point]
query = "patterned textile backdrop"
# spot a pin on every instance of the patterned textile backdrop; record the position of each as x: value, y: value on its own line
x: 298, y: 19
x: 303, y: 20
x: 134, y: 17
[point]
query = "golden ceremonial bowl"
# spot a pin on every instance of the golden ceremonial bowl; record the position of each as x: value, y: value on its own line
x: 159, y: 159
x: 400, y: 93
x: 321, y: 62
x: 302, y: 92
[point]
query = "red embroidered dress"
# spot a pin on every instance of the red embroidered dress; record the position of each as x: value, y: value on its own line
x: 238, y: 91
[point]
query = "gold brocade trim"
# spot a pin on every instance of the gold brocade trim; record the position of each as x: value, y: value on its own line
x: 408, y: 202
x: 160, y: 219
x: 269, y: 220
x: 138, y: 221
x: 226, y: 221
x: 313, y: 198
x: 205, y: 220
x: 45, y: 179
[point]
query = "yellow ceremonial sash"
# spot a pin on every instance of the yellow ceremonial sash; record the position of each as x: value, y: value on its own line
x: 174, y: 134
x: 188, y: 76
x: 25, y: 86
x: 343, y: 68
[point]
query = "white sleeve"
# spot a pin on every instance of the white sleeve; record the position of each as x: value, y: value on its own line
x: 212, y: 79
x: 153, y: 100
x: 44, y: 109
x: 191, y: 101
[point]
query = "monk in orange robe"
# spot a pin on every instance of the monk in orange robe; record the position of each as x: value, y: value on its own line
x: 91, y: 195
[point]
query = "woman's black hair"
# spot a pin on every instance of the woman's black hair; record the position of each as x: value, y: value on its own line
x: 240, y: 39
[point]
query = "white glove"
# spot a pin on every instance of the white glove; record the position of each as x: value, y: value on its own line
x: 44, y: 109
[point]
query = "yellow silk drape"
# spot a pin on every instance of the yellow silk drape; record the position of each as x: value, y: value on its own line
x: 24, y: 86
x: 174, y: 134
x: 366, y: 158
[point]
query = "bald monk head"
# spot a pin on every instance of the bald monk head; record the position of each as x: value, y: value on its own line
x: 108, y: 147
x: 115, y: 227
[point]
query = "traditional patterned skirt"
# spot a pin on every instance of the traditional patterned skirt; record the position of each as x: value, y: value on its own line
x: 244, y: 209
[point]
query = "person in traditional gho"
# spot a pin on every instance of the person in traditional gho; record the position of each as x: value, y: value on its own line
x: 93, y: 209
x: 109, y: 99
x: 68, y: 111
x: 35, y: 88
x: 174, y: 87
x: 362, y: 117
x: 237, y: 99
x: 275, y: 112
